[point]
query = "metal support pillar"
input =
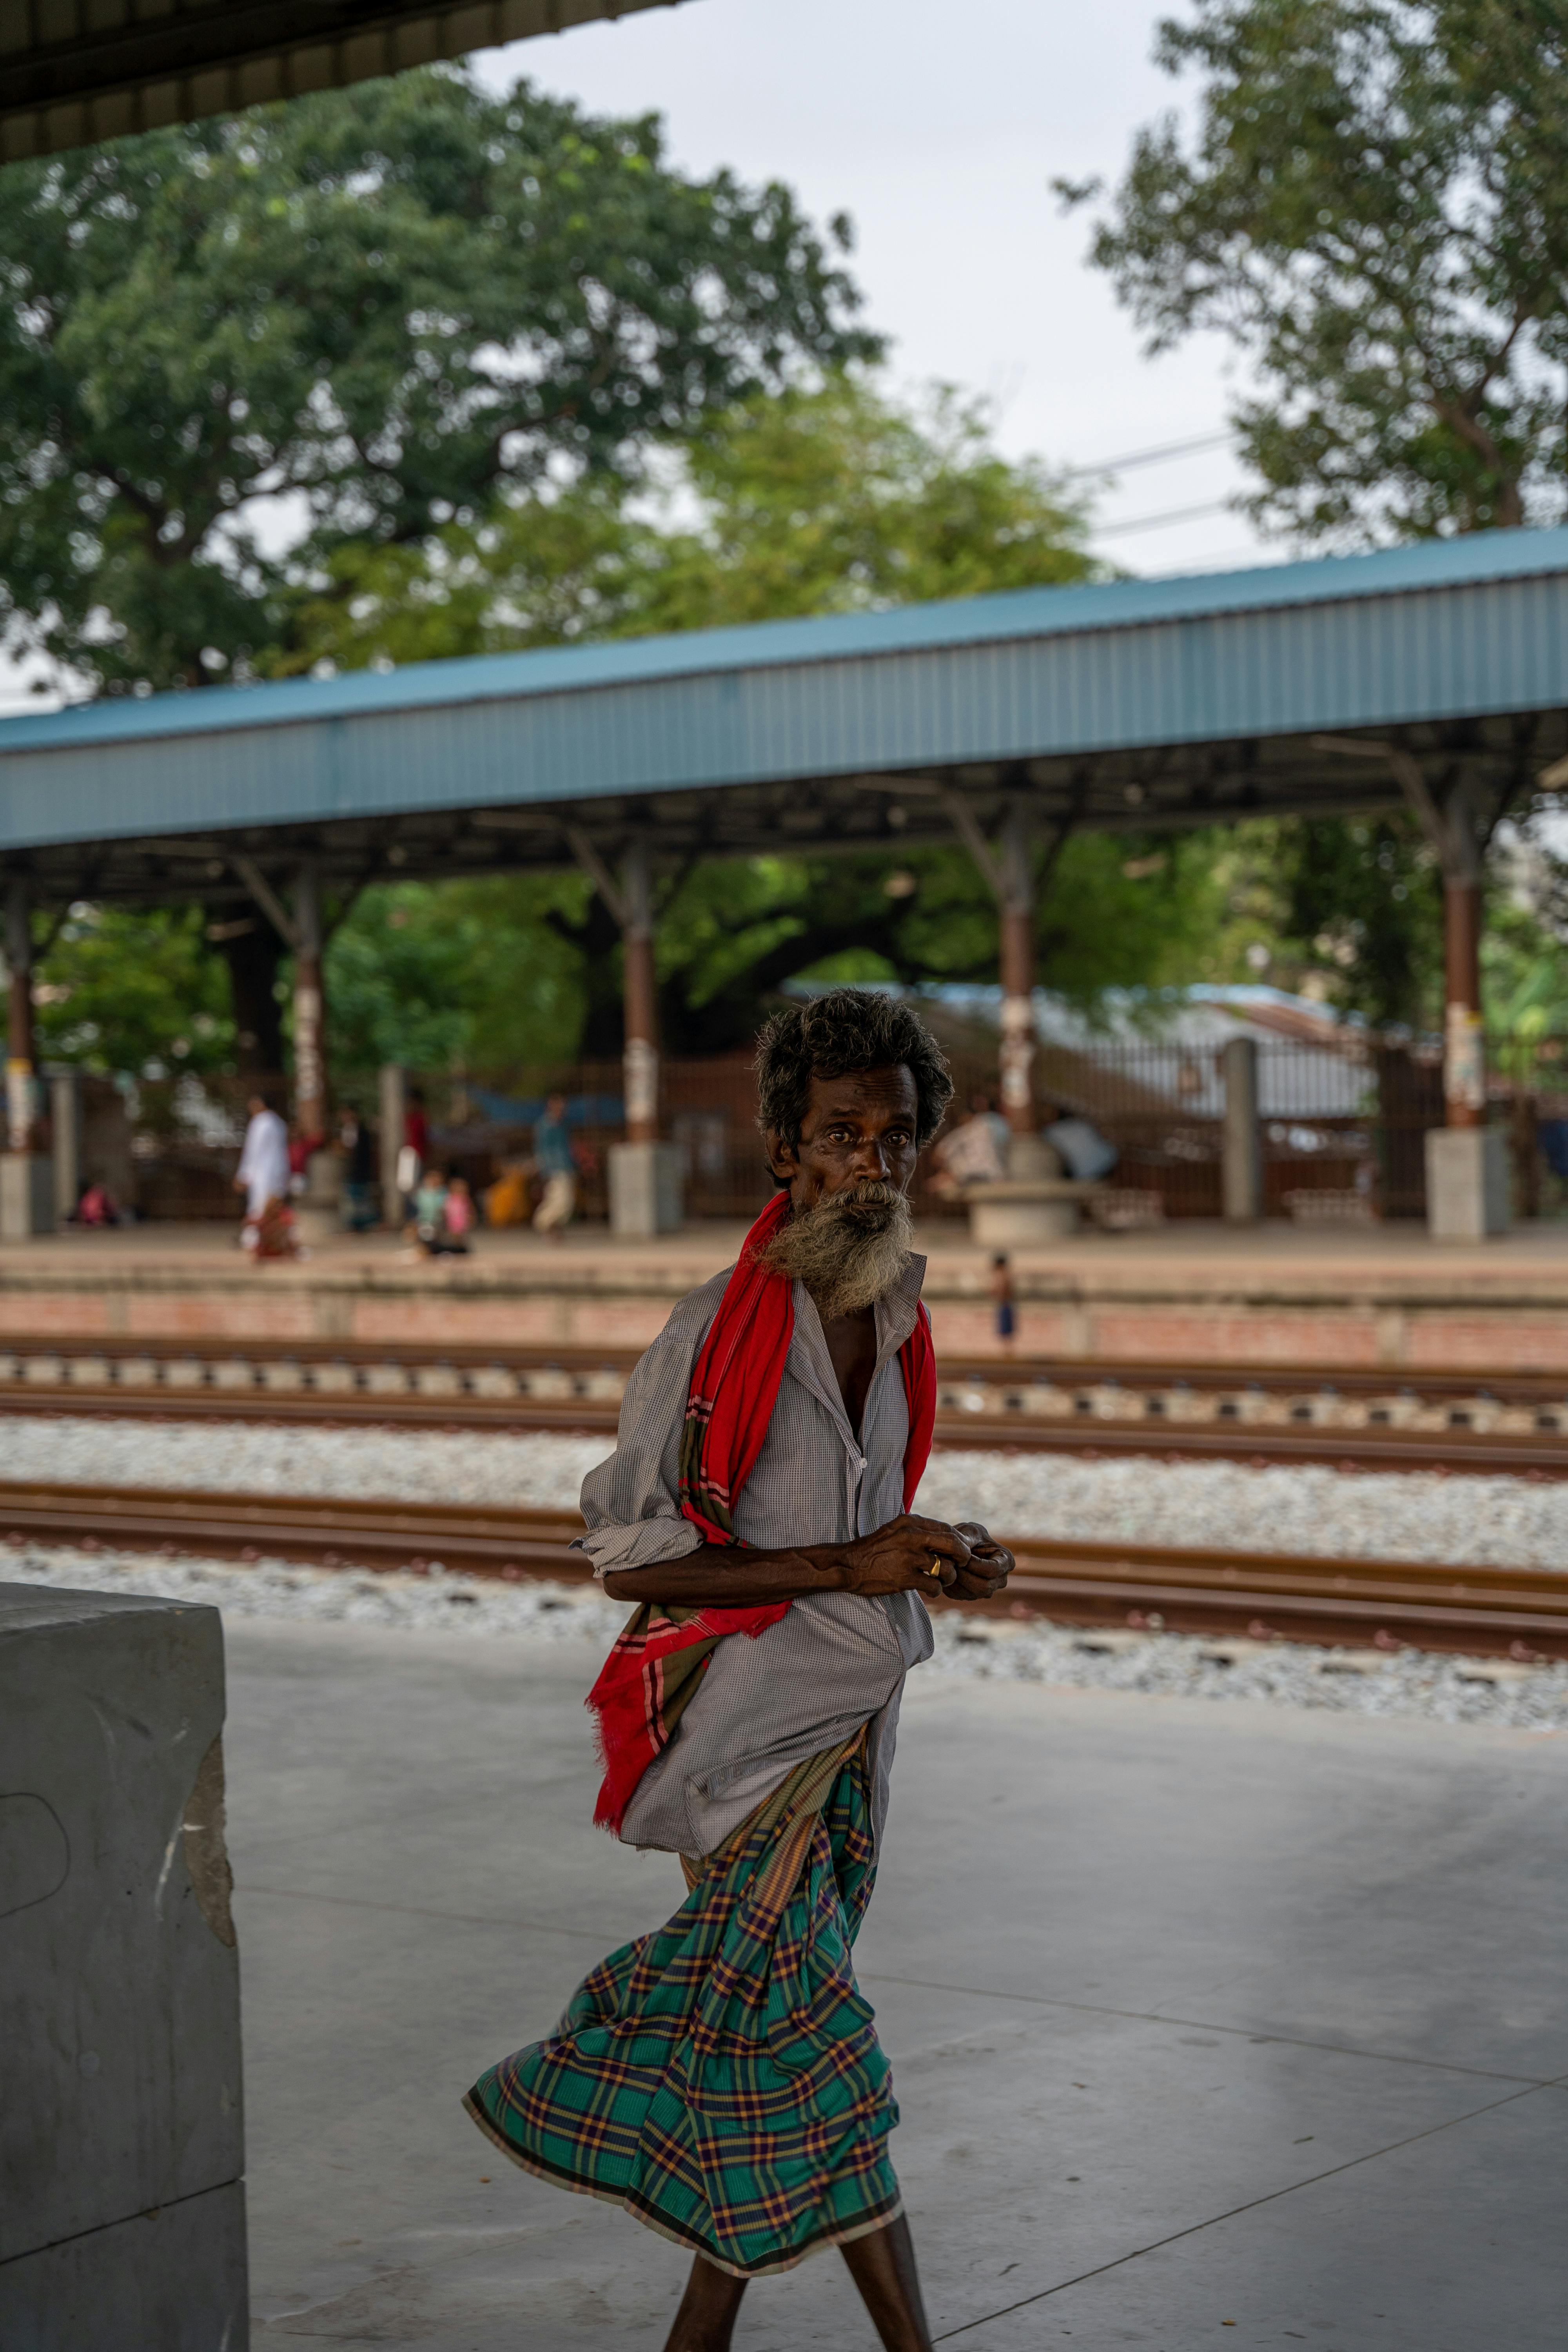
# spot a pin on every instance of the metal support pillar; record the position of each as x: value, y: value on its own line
x: 1467, y: 1161
x: 66, y: 1139
x: 640, y: 1062
x: 21, y: 1099
x: 309, y: 1062
x: 26, y: 1174
x: 1243, y: 1143
x: 1464, y: 1048
x: 645, y: 1174
x: 1008, y: 871
x: 1018, y: 973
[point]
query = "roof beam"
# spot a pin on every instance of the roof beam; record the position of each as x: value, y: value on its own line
x: 110, y: 67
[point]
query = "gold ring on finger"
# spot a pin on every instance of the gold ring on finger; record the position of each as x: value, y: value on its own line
x: 935, y: 1567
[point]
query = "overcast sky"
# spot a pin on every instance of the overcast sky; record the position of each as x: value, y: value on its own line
x: 940, y: 129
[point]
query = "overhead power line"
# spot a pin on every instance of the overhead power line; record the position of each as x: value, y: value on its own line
x: 1157, y: 521
x: 1157, y: 456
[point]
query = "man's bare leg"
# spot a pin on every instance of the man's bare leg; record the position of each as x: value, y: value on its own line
x: 707, y: 2315
x: 883, y: 2266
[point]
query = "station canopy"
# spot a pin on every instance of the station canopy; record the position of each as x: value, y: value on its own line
x: 1128, y: 706
x: 75, y: 71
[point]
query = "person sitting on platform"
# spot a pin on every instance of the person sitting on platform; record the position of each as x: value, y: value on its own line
x: 974, y: 1152
x: 96, y: 1205
x: 1086, y: 1155
x: 722, y: 2077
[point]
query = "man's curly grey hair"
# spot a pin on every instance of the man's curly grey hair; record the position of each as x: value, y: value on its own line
x: 848, y: 1029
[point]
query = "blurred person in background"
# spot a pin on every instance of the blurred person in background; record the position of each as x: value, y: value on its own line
x: 974, y: 1152
x: 357, y: 1148
x: 263, y: 1173
x: 1086, y: 1155
x: 1002, y: 1293
x: 507, y: 1200
x: 556, y: 1170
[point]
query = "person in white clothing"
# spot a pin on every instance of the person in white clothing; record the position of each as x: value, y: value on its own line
x: 263, y: 1172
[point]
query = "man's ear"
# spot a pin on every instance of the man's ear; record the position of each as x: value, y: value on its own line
x: 784, y: 1158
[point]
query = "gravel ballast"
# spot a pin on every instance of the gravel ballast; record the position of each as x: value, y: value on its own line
x: 1399, y: 1682
x: 1457, y: 1521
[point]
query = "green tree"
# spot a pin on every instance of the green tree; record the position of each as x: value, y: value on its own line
x: 823, y: 499
x: 1363, y: 908
x: 378, y: 306
x: 525, y: 970
x: 126, y: 988
x: 1373, y: 204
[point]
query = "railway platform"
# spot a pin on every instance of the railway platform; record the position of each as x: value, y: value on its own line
x: 1210, y: 2023
x: 1381, y: 1297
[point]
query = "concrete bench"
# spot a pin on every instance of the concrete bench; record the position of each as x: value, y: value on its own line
x: 121, y: 2154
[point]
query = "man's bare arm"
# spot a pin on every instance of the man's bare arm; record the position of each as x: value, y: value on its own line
x: 897, y: 1559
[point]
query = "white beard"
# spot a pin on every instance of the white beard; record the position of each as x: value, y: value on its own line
x: 849, y: 1250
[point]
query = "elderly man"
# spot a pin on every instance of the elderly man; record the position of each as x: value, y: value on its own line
x: 721, y: 2078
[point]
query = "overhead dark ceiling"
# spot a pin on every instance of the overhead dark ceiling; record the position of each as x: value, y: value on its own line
x: 75, y: 71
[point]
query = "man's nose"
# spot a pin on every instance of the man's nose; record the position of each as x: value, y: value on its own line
x: 870, y: 1159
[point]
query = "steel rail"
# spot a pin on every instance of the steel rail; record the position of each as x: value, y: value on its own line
x: 1493, y: 1383
x: 1535, y: 1454
x: 1301, y: 1597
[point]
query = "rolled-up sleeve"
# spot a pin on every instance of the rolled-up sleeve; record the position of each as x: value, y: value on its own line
x: 631, y: 1502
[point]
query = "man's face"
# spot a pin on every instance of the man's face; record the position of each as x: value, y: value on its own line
x: 856, y: 1128
x: 554, y: 1105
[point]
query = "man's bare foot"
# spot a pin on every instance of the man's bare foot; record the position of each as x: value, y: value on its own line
x: 883, y: 2266
x: 706, y: 2320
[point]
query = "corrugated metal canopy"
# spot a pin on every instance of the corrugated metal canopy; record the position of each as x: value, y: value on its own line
x: 75, y: 71
x: 1127, y: 706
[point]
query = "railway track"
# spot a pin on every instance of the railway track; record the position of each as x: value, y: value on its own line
x: 1522, y: 1612
x: 1347, y: 1417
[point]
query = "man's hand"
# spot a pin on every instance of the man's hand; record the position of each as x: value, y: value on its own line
x: 908, y: 1555
x: 988, y: 1568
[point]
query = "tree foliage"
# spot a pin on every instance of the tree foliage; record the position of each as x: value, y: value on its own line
x: 1373, y: 204
x: 124, y: 989
x: 525, y: 970
x: 377, y: 306
x: 827, y: 498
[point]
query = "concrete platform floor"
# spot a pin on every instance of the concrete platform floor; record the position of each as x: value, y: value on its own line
x: 1210, y: 2026
x: 710, y: 1243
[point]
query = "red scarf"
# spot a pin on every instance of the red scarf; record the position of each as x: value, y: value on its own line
x: 734, y: 1386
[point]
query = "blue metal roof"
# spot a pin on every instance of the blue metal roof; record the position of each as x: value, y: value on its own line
x: 1486, y: 557
x: 1444, y: 629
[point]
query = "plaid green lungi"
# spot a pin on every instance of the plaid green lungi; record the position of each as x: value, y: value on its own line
x: 722, y: 2077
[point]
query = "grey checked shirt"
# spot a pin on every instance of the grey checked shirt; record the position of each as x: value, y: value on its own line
x: 838, y: 1659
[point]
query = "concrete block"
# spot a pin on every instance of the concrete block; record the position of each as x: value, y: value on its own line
x: 645, y: 1189
x: 171, y: 2280
x: 1467, y: 1184
x: 118, y: 1976
x: 1014, y: 1214
x: 27, y: 1195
